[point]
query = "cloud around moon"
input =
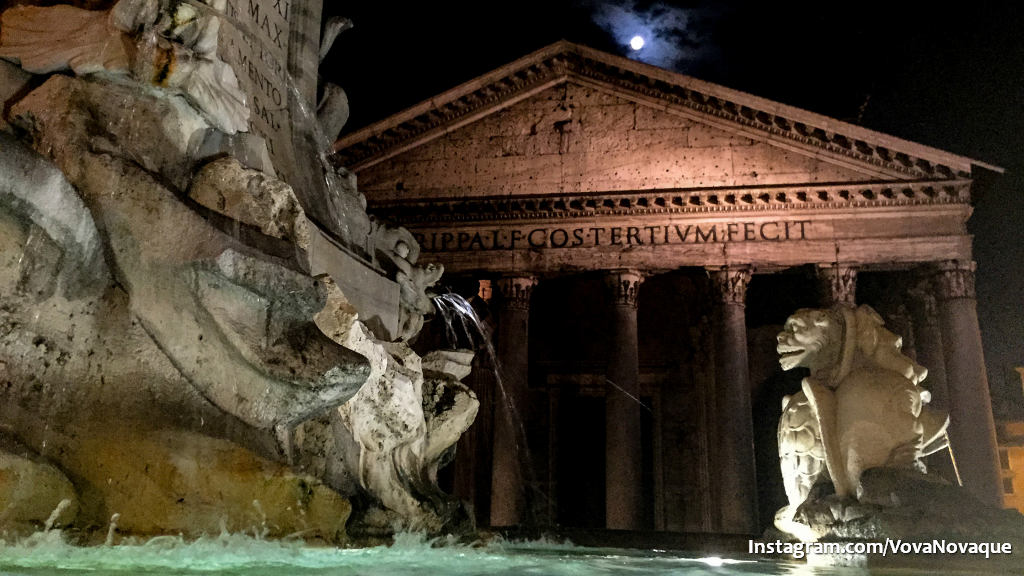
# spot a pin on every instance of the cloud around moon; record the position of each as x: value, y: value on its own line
x: 673, y: 37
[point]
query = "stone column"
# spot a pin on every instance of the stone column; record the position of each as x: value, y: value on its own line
x: 924, y: 315
x: 897, y: 320
x: 837, y: 284
x: 508, y: 496
x: 928, y: 342
x: 623, y: 448
x: 735, y: 477
x: 475, y: 448
x: 972, y: 429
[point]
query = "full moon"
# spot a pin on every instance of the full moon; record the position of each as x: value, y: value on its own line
x: 636, y: 43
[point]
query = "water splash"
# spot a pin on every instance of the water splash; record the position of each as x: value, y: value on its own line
x: 61, y: 507
x: 47, y: 554
x: 461, y: 320
x: 112, y: 529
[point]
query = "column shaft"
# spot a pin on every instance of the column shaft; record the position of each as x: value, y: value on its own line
x: 735, y: 476
x: 508, y: 496
x: 623, y: 447
x: 928, y: 347
x: 972, y: 429
x: 928, y: 344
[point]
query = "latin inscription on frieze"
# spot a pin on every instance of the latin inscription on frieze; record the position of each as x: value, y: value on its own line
x: 541, y: 237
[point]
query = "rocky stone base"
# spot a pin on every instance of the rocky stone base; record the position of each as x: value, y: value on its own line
x: 34, y: 495
x: 905, y: 504
x: 922, y: 520
x: 146, y: 483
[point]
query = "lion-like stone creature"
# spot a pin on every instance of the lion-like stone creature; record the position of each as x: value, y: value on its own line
x: 861, y: 407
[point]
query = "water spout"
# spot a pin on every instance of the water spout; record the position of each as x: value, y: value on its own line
x: 112, y: 529
x: 64, y: 504
x: 461, y: 324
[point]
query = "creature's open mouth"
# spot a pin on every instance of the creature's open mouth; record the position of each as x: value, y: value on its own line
x: 787, y: 351
x: 790, y: 356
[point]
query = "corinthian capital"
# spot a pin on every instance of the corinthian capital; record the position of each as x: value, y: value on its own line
x: 624, y: 286
x: 515, y: 291
x: 923, y: 302
x: 730, y: 284
x: 954, y: 279
x: 837, y: 284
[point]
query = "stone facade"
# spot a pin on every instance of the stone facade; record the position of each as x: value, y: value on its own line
x: 671, y: 226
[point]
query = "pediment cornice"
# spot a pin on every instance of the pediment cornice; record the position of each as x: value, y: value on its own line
x: 842, y: 196
x: 563, y: 62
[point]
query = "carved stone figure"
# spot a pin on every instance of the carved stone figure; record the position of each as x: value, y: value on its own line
x: 170, y: 45
x: 402, y: 425
x: 156, y: 285
x: 861, y: 407
x: 157, y: 288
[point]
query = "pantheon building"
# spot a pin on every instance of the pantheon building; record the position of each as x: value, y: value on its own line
x: 634, y: 239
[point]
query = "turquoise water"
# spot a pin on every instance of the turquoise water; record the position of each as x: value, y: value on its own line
x: 46, y: 554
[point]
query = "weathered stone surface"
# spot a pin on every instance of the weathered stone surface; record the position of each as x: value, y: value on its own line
x: 401, y: 424
x: 248, y: 149
x: 276, y: 68
x: 270, y: 385
x: 588, y: 144
x: 170, y: 482
x: 33, y: 189
x: 332, y: 112
x: 449, y: 407
x: 33, y: 493
x: 62, y: 37
x: 197, y: 327
x: 374, y: 295
x: 907, y: 505
x: 251, y: 197
x: 157, y: 132
x: 13, y: 80
x: 138, y: 219
x: 569, y: 161
x: 171, y: 48
x: 454, y: 363
x: 388, y: 412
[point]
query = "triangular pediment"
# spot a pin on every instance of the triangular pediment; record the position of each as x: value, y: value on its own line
x: 680, y: 124
x: 575, y: 138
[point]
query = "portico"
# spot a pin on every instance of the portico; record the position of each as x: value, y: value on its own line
x: 626, y: 218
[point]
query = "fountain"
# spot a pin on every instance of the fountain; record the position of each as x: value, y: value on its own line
x: 201, y: 328
x: 204, y: 339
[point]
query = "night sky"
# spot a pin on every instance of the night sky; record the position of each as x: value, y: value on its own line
x: 952, y: 79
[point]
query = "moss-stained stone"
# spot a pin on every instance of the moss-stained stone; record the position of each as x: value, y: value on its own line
x: 31, y: 491
x: 172, y: 482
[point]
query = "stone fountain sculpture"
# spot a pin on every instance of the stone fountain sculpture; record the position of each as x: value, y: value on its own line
x: 185, y: 327
x: 851, y: 441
